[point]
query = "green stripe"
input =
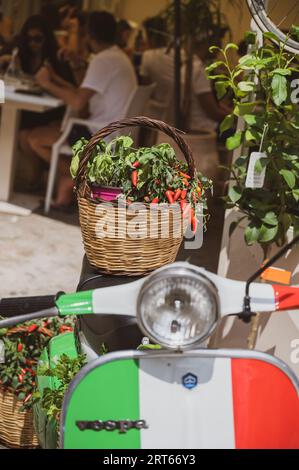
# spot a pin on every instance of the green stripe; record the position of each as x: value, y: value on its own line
x: 75, y: 304
x: 109, y: 392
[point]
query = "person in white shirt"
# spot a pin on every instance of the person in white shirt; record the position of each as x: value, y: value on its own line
x: 205, y: 111
x: 108, y: 84
x: 157, y: 65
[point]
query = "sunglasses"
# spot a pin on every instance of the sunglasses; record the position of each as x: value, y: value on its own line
x: 37, y: 38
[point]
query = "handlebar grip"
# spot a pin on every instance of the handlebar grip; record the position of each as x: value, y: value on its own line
x: 24, y: 305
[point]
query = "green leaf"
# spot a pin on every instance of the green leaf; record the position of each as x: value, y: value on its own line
x: 283, y: 72
x: 270, y: 219
x: 260, y: 165
x: 75, y: 166
x: 295, y: 194
x: 221, y: 88
x: 251, y: 234
x: 279, y: 89
x: 227, y: 123
x: 231, y: 45
x: 250, y: 119
x: 249, y: 136
x: 235, y: 194
x: 271, y: 36
x: 246, y: 86
x: 214, y: 49
x: 214, y: 66
x: 267, y: 234
x: 244, y: 108
x: 250, y: 37
x: 235, y: 141
x: 295, y: 31
x: 289, y: 178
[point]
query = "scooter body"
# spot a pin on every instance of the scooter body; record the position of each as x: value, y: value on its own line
x: 201, y: 399
x: 178, y: 397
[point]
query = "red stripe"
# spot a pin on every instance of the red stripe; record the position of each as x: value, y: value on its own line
x: 286, y: 298
x: 266, y: 406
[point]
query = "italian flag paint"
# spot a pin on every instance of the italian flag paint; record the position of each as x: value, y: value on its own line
x: 234, y: 403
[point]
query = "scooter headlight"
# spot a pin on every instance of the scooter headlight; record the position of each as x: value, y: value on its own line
x: 177, y: 307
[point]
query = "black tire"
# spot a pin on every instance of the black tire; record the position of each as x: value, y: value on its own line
x: 260, y: 16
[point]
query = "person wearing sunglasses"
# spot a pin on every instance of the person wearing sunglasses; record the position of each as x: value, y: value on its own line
x: 37, y: 46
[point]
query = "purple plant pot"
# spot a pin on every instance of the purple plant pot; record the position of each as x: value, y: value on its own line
x: 106, y: 193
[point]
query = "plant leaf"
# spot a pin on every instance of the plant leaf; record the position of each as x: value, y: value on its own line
x: 289, y: 178
x: 227, y: 123
x: 246, y: 86
x: 235, y: 194
x: 221, y: 88
x: 270, y: 219
x: 279, y: 89
x: 235, y: 141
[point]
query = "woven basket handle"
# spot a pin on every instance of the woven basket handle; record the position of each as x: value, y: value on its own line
x: 175, y: 134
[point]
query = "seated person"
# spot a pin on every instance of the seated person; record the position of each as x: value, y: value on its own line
x: 124, y: 33
x: 106, y: 88
x: 205, y: 111
x: 36, y: 46
x: 157, y: 65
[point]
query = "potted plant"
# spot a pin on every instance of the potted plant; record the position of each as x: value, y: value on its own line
x: 271, y: 125
x: 264, y: 212
x: 20, y: 351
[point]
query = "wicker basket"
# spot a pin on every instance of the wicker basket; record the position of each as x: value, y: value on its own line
x: 119, y: 253
x: 16, y: 427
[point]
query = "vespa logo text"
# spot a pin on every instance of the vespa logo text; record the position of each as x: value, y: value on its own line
x: 122, y: 426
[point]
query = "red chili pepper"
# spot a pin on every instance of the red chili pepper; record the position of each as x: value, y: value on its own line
x: 186, y: 183
x: 183, y: 204
x: 191, y: 214
x: 186, y: 211
x: 32, y: 328
x: 20, y: 347
x: 169, y: 194
x: 194, y: 224
x: 28, y: 398
x: 184, y: 175
x: 183, y: 194
x: 64, y: 329
x: 158, y: 182
x: 177, y: 194
x: 136, y: 164
x: 21, y: 378
x: 155, y: 201
x: 199, y: 191
x: 135, y: 178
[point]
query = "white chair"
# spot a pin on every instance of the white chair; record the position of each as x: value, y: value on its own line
x: 135, y: 106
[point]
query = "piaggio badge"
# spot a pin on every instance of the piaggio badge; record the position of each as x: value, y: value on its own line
x: 122, y: 426
x: 190, y: 381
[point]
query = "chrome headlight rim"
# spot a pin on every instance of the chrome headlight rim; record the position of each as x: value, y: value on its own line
x: 177, y: 271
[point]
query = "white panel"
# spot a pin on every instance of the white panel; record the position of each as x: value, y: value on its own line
x: 178, y: 418
x: 119, y: 300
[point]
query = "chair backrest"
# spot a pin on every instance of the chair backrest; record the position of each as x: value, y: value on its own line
x: 137, y: 105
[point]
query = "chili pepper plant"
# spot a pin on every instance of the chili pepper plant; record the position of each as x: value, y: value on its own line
x: 151, y: 175
x: 22, y: 348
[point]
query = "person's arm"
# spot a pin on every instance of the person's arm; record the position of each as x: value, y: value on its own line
x: 211, y: 107
x: 76, y: 98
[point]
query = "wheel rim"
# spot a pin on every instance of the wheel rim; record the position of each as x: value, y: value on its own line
x: 266, y: 24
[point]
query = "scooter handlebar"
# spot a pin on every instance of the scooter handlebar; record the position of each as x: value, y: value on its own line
x: 24, y: 305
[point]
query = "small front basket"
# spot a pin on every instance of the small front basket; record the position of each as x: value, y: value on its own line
x: 129, y: 240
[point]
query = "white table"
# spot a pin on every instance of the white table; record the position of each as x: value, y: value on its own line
x: 14, y: 104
